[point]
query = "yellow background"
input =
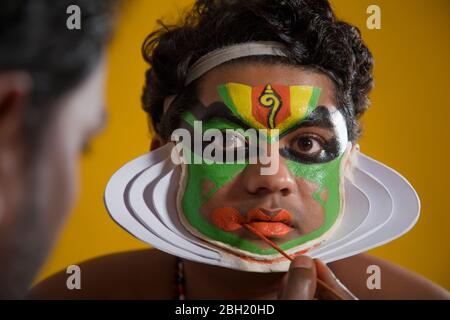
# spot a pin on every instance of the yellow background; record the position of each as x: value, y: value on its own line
x: 407, y: 127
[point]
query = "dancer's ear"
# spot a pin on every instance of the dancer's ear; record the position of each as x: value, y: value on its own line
x: 15, y: 92
x: 157, y: 142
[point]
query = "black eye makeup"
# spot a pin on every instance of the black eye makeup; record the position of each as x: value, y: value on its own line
x: 314, y: 140
x: 310, y: 148
x: 318, y: 138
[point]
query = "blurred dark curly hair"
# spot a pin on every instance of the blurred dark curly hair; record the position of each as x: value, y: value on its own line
x: 332, y: 47
x: 35, y: 39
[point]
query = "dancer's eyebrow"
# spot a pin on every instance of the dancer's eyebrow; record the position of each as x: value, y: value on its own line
x: 320, y: 117
x: 218, y: 110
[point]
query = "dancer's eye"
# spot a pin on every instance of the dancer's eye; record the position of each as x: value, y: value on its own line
x: 307, y: 145
x: 310, y: 148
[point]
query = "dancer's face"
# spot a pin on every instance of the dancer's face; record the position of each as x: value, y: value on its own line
x: 301, y: 200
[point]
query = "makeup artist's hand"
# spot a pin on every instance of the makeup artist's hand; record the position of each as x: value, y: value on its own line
x: 300, y: 282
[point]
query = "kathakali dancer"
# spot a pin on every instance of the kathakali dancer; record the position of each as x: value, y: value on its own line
x: 291, y: 81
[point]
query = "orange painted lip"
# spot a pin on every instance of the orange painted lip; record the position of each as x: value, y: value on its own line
x: 271, y: 229
x: 273, y: 224
x: 260, y: 214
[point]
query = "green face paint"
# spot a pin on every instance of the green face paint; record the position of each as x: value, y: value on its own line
x: 263, y: 107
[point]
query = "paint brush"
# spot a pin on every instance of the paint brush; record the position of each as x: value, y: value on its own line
x: 276, y: 247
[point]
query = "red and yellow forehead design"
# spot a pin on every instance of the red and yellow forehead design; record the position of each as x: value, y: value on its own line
x: 269, y: 106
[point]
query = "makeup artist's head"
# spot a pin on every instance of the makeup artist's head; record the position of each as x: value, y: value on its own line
x: 327, y: 68
x: 51, y: 105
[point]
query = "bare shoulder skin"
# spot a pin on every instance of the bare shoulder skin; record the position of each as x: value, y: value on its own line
x: 396, y: 282
x: 150, y: 274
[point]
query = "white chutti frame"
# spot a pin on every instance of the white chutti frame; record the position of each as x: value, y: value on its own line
x: 380, y: 206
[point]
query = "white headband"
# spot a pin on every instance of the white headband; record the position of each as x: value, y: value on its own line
x: 222, y: 55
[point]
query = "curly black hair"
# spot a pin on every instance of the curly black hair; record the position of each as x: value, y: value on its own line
x: 35, y: 39
x: 333, y: 47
